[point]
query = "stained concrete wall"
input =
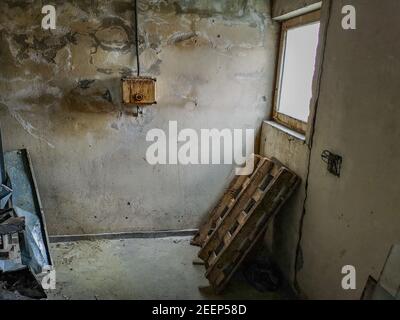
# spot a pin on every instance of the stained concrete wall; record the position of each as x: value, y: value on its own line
x: 293, y: 151
x: 283, y: 234
x: 354, y: 219
x: 60, y: 98
x: 283, y: 7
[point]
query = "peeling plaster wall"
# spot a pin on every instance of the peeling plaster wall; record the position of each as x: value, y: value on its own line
x: 60, y: 98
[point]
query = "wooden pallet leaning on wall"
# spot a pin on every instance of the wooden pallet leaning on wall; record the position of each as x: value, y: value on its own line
x: 236, y: 188
x: 239, y: 229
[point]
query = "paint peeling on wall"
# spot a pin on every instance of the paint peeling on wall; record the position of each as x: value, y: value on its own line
x: 60, y: 97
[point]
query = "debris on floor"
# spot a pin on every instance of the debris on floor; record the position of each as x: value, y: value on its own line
x: 262, y: 275
x: 11, y: 229
x: 150, y: 268
x: 241, y: 217
x: 24, y: 253
x: 20, y: 283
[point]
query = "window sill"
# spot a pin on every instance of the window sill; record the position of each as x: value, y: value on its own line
x: 286, y: 130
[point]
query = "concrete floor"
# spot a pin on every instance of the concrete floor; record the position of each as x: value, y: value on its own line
x: 136, y: 269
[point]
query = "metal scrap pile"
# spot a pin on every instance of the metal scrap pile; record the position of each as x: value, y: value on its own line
x: 24, y: 252
x: 11, y: 229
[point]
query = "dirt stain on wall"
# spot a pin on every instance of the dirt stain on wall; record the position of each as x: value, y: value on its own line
x: 60, y: 96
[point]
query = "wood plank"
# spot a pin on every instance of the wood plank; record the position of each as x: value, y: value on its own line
x: 249, y: 215
x: 229, y: 219
x: 226, y: 203
x: 231, y: 257
x: 239, y: 220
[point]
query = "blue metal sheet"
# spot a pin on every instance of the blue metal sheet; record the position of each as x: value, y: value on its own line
x: 26, y: 202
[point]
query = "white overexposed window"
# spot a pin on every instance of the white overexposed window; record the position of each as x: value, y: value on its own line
x: 299, y: 41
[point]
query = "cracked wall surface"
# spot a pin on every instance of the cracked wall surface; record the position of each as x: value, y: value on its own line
x: 60, y: 98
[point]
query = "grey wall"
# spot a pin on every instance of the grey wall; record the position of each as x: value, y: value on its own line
x: 283, y: 234
x: 282, y: 7
x: 355, y: 219
x: 214, y: 62
x: 352, y: 220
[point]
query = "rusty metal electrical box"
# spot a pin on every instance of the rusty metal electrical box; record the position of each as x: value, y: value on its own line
x: 139, y: 91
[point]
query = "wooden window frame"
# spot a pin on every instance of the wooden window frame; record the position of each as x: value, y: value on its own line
x: 283, y: 119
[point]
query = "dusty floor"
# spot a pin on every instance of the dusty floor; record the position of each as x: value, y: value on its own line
x: 136, y: 269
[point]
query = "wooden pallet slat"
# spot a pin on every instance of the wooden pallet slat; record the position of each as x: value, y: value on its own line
x: 238, y: 229
x: 248, y: 215
x: 226, y: 203
x: 230, y: 256
x: 230, y: 220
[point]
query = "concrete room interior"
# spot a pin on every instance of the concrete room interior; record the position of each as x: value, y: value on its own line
x: 119, y: 227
